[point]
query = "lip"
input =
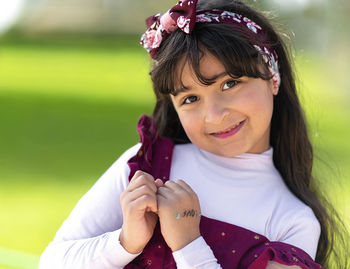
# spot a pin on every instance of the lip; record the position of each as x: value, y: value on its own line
x: 229, y: 132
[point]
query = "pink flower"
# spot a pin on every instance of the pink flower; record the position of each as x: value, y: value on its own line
x: 150, y: 35
x: 157, y: 39
x: 168, y: 23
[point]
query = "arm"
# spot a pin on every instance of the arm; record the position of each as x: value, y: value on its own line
x: 191, y: 251
x: 179, y: 216
x: 295, y: 249
x: 302, y: 231
x: 89, y: 238
x: 178, y: 209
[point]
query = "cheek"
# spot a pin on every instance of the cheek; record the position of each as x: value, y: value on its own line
x: 190, y: 122
x: 260, y: 105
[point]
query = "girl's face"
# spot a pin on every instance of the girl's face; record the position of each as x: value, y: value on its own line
x: 229, y: 117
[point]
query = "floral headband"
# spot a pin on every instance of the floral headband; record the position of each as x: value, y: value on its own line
x: 184, y: 16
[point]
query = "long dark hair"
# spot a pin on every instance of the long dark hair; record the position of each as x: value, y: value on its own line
x: 293, y: 153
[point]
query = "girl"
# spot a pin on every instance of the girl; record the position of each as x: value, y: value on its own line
x: 221, y: 178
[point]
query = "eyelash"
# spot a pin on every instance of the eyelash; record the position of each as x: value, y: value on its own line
x: 236, y: 82
x: 187, y: 98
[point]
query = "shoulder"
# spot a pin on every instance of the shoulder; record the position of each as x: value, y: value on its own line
x: 301, y: 228
x: 294, y: 222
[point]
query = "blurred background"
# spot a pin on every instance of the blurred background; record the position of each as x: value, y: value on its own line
x: 74, y: 80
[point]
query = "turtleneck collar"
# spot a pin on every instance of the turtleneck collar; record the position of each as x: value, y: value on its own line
x: 245, y: 161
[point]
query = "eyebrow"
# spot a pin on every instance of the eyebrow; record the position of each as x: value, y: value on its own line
x: 180, y: 90
x: 213, y: 78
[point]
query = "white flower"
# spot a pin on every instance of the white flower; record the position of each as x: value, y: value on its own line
x: 203, y: 18
x: 251, y: 25
x: 252, y: 28
x: 183, y: 23
x: 235, y: 17
x: 187, y: 28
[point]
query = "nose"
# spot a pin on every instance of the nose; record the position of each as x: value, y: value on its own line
x: 215, y: 110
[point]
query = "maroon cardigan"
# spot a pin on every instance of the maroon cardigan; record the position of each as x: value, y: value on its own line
x: 233, y: 246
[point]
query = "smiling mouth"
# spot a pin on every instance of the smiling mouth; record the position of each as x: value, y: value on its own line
x: 230, y: 131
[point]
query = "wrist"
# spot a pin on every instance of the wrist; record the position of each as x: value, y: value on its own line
x: 183, y: 243
x: 131, y: 248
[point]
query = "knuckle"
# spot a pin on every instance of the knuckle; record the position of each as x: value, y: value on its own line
x: 142, y: 187
x: 124, y: 196
x: 137, y: 174
x: 134, y: 205
x: 146, y: 189
x: 141, y: 180
x: 146, y: 197
x: 130, y: 208
x: 180, y: 181
x: 194, y: 198
x: 170, y: 182
x: 194, y: 195
x: 141, y: 175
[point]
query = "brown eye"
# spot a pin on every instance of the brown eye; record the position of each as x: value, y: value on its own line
x: 230, y: 84
x: 190, y: 99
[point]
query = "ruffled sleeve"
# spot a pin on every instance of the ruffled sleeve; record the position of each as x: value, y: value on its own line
x: 258, y: 256
x: 155, y: 154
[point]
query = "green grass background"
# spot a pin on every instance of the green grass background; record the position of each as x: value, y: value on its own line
x: 67, y: 112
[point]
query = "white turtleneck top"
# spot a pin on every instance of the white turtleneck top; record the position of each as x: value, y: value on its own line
x: 245, y: 190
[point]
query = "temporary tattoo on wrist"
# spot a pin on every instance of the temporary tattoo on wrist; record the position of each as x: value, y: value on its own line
x: 188, y: 213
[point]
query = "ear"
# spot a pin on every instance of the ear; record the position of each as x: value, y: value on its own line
x: 276, y: 81
x: 275, y: 88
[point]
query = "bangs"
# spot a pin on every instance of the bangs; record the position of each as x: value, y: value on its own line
x: 232, y: 47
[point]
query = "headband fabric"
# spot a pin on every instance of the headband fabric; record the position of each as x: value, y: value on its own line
x: 184, y: 16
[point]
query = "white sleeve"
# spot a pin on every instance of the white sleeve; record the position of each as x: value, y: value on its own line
x: 303, y: 231
x: 196, y: 254
x: 89, y: 237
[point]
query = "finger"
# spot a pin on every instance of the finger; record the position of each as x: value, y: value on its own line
x: 176, y: 187
x: 140, y: 191
x: 185, y: 186
x: 165, y: 192
x: 141, y: 178
x: 158, y: 182
x: 188, y: 189
x: 140, y: 173
x: 144, y: 203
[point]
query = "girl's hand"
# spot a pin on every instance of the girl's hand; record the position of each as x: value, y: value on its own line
x: 139, y: 206
x: 179, y: 214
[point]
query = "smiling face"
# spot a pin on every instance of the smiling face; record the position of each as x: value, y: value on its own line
x: 228, y: 117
